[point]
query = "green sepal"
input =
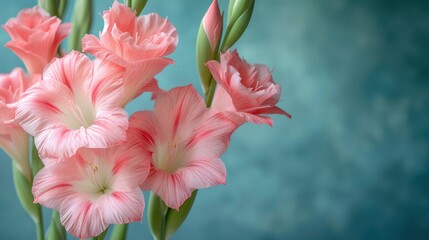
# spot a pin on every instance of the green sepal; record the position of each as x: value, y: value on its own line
x: 102, y: 235
x: 156, y: 216
x: 204, y: 53
x: 138, y: 5
x: 175, y: 219
x: 36, y: 163
x: 56, y: 230
x: 238, y: 28
x: 23, y: 190
x: 81, y: 23
x: 119, y: 232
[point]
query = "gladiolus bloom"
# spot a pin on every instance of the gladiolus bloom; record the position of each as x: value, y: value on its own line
x: 139, y: 44
x: 94, y: 188
x: 13, y: 139
x: 247, y: 90
x: 77, y: 104
x: 35, y: 37
x: 185, y: 141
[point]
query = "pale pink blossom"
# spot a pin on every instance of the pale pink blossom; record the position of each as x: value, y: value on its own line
x: 13, y: 139
x: 77, y: 104
x: 212, y: 24
x: 95, y: 188
x: 246, y: 90
x: 35, y: 37
x: 185, y: 141
x: 139, y: 44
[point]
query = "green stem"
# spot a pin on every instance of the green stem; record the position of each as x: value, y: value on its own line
x: 119, y: 232
x: 39, y: 224
x: 210, y: 92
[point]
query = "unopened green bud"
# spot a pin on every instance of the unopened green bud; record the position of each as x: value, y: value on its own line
x: 236, y: 8
x: 239, y: 15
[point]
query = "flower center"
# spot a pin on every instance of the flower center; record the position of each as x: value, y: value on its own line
x: 169, y: 157
x: 78, y: 113
x: 96, y: 181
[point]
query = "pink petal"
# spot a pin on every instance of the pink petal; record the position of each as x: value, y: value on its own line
x: 122, y: 207
x: 183, y: 107
x: 169, y: 187
x: 211, y: 139
x: 73, y: 70
x: 130, y: 168
x: 108, y: 129
x: 143, y: 129
x: 203, y: 173
x: 60, y: 142
x: 159, y: 34
x: 222, y: 101
x: 52, y: 184
x: 82, y: 218
x: 107, y: 85
x: 139, y: 76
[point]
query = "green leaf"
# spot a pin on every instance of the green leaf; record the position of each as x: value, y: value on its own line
x: 175, y: 218
x: 56, y: 230
x: 119, y: 232
x: 81, y: 23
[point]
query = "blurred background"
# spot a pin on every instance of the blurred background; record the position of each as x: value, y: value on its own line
x: 353, y: 163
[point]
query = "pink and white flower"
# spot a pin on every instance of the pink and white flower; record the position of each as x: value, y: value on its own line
x: 139, y: 44
x: 77, y: 104
x: 13, y: 139
x: 247, y: 90
x: 185, y: 141
x: 95, y: 188
x: 35, y: 37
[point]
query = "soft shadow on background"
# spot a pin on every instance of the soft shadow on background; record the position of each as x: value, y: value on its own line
x: 353, y: 163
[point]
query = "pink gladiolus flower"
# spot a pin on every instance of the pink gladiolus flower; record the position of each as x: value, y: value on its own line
x: 13, y: 139
x: 137, y: 43
x: 185, y: 140
x: 94, y: 188
x: 245, y: 89
x: 35, y: 37
x: 212, y: 23
x: 75, y: 105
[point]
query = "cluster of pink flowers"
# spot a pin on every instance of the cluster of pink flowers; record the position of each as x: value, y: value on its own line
x: 97, y: 159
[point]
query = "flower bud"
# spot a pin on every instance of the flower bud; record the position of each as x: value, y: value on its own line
x: 208, y: 40
x: 212, y: 24
x: 239, y: 14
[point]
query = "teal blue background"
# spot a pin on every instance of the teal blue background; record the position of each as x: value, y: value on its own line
x: 353, y: 163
